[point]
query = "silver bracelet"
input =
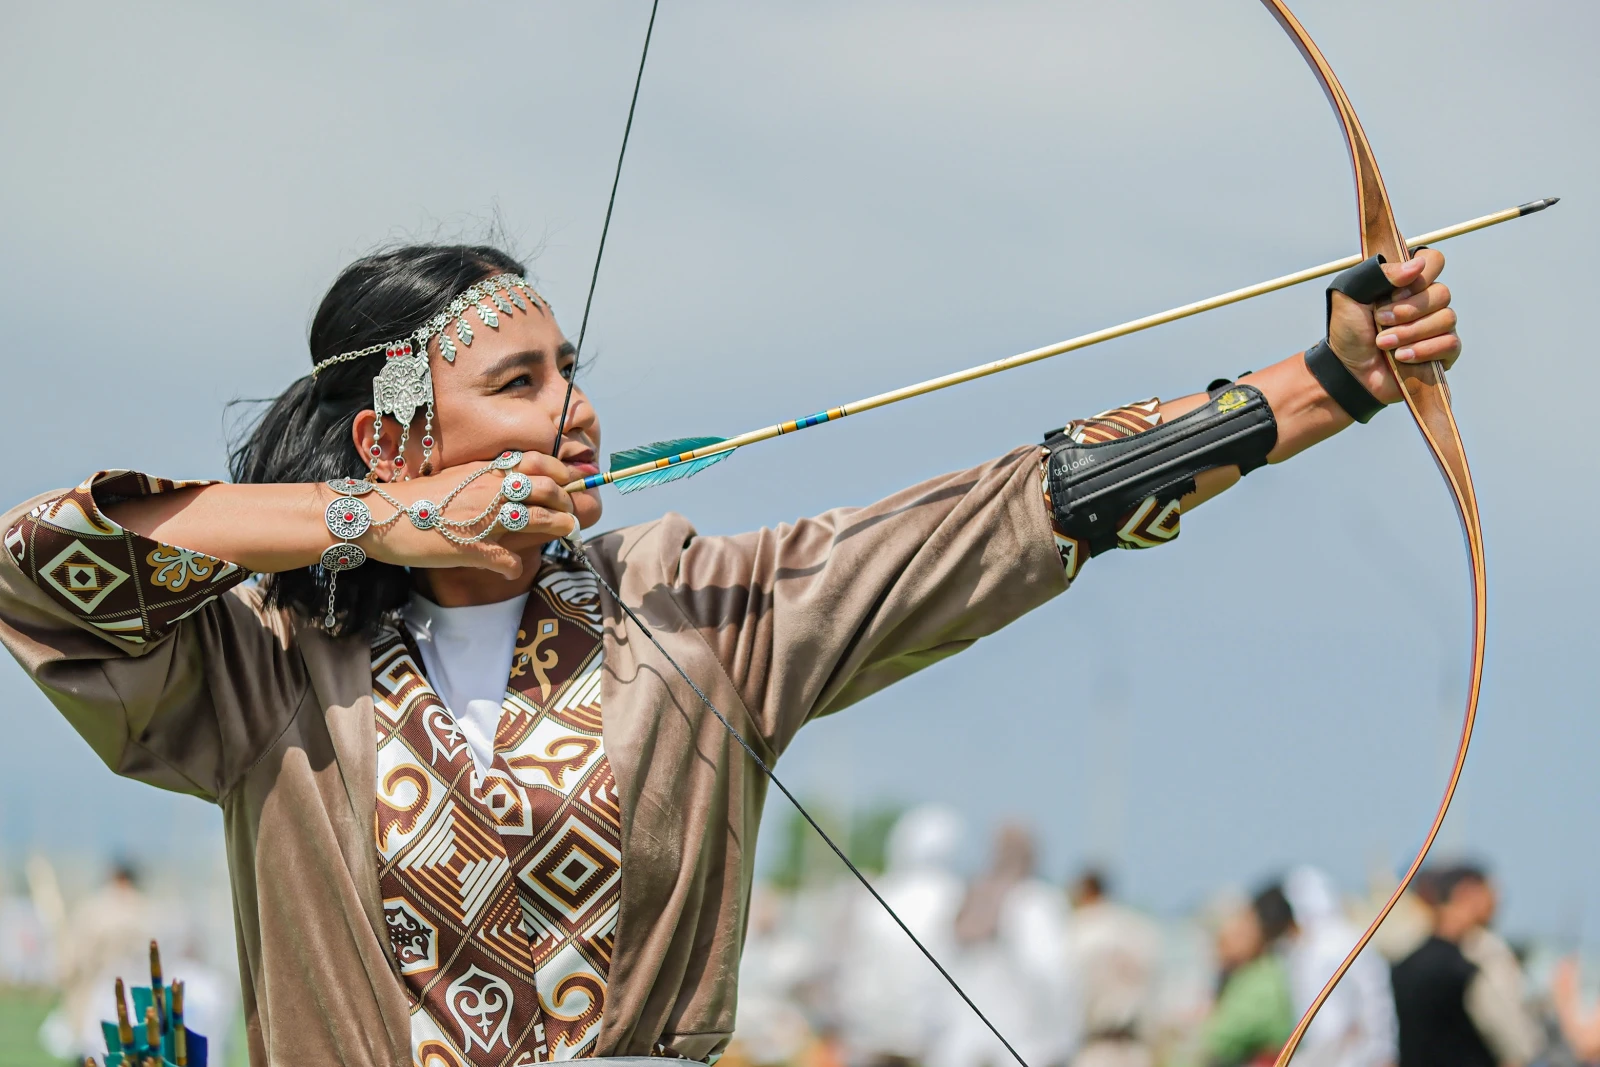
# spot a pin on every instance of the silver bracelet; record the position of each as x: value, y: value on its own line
x: 348, y: 517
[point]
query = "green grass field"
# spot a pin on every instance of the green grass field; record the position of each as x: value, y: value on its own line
x: 21, y: 1012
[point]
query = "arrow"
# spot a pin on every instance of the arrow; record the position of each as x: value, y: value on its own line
x: 666, y: 461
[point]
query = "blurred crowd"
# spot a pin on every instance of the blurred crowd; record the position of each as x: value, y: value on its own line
x: 1070, y: 974
x: 1074, y: 977
x: 77, y: 944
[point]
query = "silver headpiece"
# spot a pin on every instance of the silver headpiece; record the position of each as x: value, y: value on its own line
x: 405, y: 383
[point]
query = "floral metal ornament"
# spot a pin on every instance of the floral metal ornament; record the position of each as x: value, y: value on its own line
x: 405, y: 383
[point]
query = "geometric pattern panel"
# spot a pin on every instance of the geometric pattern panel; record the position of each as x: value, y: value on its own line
x: 501, y: 887
x: 130, y: 588
x: 1147, y: 525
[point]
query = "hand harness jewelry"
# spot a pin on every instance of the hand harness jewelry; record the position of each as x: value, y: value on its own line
x: 405, y: 383
x: 348, y: 517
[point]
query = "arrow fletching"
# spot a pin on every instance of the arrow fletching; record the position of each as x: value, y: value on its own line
x: 661, y: 450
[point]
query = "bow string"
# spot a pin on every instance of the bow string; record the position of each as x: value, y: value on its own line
x: 1426, y: 395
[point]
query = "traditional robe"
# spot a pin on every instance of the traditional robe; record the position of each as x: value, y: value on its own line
x: 203, y: 691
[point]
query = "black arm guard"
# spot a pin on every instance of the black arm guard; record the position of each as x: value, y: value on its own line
x: 1094, y: 488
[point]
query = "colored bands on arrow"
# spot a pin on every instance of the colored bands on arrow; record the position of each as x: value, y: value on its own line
x: 812, y: 420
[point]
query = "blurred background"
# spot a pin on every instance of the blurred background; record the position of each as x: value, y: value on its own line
x: 822, y: 202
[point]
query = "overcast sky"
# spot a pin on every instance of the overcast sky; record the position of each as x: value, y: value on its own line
x: 826, y: 200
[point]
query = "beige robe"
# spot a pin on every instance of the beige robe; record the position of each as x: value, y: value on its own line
x: 272, y: 720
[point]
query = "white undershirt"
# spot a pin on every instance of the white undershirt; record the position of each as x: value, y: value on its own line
x: 467, y: 655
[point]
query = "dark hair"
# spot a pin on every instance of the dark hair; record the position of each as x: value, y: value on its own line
x: 304, y: 435
x: 1451, y: 878
x: 1273, y: 912
x: 1093, y: 881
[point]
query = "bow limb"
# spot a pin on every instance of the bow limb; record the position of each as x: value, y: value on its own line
x: 1428, y: 397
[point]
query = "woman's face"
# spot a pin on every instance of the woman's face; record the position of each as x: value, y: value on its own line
x: 504, y: 391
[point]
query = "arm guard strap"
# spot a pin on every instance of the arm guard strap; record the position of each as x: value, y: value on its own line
x: 1096, y: 488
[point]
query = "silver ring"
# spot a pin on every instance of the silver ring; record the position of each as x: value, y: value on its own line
x: 506, y: 460
x: 350, y: 486
x: 513, y: 516
x: 348, y: 518
x: 516, y: 486
x: 343, y: 557
x: 424, y: 514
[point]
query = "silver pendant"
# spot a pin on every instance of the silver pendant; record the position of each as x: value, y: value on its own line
x: 343, y: 557
x: 486, y: 313
x: 506, y: 460
x: 447, y: 348
x: 516, y: 486
x: 424, y: 514
x: 513, y: 517
x: 464, y: 331
x: 348, y: 518
x: 350, y: 486
x: 401, y: 387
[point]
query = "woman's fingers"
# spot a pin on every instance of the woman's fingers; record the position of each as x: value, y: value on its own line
x: 1444, y: 347
x: 1416, y: 273
x: 490, y: 556
x: 546, y: 476
x: 1414, y: 306
x: 1439, y: 322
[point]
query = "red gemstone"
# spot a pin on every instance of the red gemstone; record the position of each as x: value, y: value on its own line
x: 516, y: 514
x: 376, y: 450
x: 427, y: 442
x: 505, y: 455
x: 344, y: 559
x: 399, y: 461
x: 349, y: 516
x: 422, y: 514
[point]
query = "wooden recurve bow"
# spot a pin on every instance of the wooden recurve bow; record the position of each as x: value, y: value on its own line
x: 1428, y: 397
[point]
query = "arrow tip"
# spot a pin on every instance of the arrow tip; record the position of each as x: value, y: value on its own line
x: 1538, y: 205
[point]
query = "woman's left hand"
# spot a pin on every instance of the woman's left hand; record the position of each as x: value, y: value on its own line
x: 1416, y: 323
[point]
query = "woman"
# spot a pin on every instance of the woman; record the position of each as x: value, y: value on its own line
x: 431, y: 861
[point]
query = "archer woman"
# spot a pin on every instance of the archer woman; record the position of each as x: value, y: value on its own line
x: 473, y: 812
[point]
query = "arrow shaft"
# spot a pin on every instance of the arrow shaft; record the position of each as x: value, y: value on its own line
x: 983, y: 370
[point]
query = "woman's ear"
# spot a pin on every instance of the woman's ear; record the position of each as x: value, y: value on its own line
x: 378, y: 455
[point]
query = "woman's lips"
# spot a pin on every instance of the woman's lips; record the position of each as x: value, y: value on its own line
x: 582, y: 463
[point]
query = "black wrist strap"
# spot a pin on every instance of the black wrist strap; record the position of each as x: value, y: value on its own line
x: 1365, y: 283
x: 1334, y: 377
x: 1098, y: 491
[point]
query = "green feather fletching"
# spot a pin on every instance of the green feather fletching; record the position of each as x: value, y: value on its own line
x: 632, y: 457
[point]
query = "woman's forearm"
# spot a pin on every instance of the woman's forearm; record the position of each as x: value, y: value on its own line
x: 1303, y: 410
x: 267, y: 528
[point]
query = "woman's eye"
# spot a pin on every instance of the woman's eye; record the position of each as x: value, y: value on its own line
x: 567, y: 371
x: 519, y: 382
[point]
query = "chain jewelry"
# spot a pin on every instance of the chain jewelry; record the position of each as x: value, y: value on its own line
x: 405, y: 384
x: 348, y: 517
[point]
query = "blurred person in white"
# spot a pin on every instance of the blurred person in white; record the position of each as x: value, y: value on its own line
x: 1580, y: 1025
x: 1357, y: 1025
x: 1497, y: 998
x: 106, y: 935
x: 778, y: 961
x: 1009, y: 934
x: 891, y: 1002
x: 26, y: 953
x: 1113, y: 960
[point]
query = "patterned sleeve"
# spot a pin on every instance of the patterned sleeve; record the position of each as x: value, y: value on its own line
x: 1146, y: 526
x: 128, y: 587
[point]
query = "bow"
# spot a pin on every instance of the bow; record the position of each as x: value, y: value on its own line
x: 1427, y: 396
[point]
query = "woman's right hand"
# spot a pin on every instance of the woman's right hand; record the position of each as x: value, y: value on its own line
x: 549, y: 509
